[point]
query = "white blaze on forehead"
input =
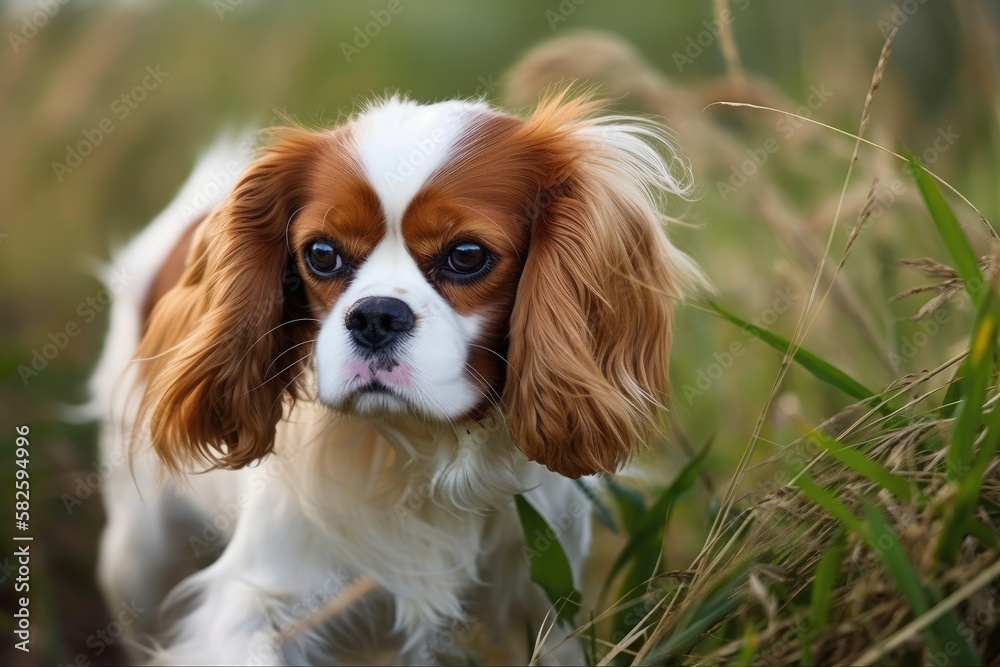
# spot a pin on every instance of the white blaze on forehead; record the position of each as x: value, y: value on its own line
x: 400, y: 144
x: 432, y: 361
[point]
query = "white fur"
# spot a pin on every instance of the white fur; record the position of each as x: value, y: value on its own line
x: 422, y: 506
x: 434, y: 355
x: 416, y: 502
x: 401, y: 143
x: 138, y: 551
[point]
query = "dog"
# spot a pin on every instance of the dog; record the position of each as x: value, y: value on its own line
x: 338, y: 373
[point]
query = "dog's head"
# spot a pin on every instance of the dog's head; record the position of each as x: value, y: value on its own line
x: 433, y: 262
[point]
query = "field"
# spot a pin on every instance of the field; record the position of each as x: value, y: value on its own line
x: 805, y: 507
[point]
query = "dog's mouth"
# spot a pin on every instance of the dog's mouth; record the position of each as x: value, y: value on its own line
x: 373, y: 387
x: 374, y: 398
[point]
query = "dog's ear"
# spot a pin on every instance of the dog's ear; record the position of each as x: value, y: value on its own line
x: 223, y: 348
x: 590, y: 331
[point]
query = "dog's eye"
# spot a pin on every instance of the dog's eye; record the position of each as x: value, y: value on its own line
x: 324, y: 259
x: 467, y: 259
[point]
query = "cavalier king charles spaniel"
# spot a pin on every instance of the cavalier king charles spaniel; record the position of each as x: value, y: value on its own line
x: 335, y: 377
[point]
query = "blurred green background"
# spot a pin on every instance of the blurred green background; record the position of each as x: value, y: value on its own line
x: 64, y: 68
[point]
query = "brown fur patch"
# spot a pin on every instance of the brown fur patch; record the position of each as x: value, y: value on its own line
x: 577, y: 307
x: 170, y: 273
x: 226, y: 345
x: 340, y: 206
x: 482, y: 195
x: 590, y: 328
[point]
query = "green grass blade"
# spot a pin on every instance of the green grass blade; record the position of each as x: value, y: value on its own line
x: 820, y: 369
x: 828, y: 502
x: 864, y: 466
x: 648, y: 535
x: 949, y: 229
x: 547, y: 560
x: 633, y: 587
x: 945, y: 631
x: 631, y: 506
x: 962, y: 470
x: 953, y: 395
x: 884, y: 542
x: 959, y: 520
x: 982, y: 532
x: 827, y: 576
x: 716, y: 605
x: 748, y: 650
x: 987, y: 451
x: 601, y: 510
x: 978, y: 370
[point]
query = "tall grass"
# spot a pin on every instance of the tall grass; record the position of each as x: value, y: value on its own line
x: 790, y: 573
x: 883, y: 545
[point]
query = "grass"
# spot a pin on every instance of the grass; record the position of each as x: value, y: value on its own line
x: 847, y: 508
x: 862, y: 556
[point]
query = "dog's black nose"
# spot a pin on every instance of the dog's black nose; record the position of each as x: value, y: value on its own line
x: 377, y: 322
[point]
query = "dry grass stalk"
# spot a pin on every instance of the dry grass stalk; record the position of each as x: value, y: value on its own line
x: 801, y: 329
x: 951, y: 287
x: 338, y: 604
x: 883, y: 60
x: 786, y: 530
x: 863, y: 217
x: 727, y: 43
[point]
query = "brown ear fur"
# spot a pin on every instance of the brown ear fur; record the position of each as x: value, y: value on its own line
x: 591, y: 327
x: 219, y: 356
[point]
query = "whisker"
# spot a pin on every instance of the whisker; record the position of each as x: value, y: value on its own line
x: 498, y: 356
x: 288, y: 384
x: 180, y: 343
x: 275, y: 328
x: 305, y: 342
x: 489, y: 394
x: 276, y: 375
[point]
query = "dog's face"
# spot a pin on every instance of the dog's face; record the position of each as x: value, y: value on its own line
x: 410, y: 248
x: 429, y: 262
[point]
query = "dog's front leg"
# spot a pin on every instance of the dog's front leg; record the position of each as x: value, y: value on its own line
x: 257, y: 603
